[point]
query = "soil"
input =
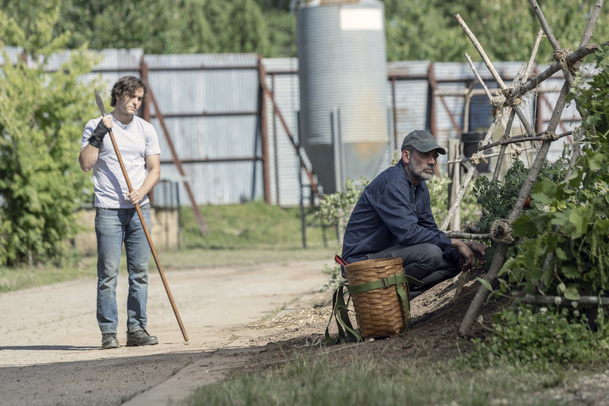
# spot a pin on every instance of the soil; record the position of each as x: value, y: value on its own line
x: 235, y: 318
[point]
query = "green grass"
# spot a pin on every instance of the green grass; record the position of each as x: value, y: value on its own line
x: 253, y: 225
x: 12, y: 279
x: 377, y: 380
x: 205, y: 258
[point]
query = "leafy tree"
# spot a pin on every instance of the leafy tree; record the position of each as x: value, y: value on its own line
x: 247, y: 31
x: 159, y: 27
x: 78, y: 17
x: 192, y: 32
x: 41, y: 119
x: 507, y: 28
x: 282, y: 33
x: 422, y: 32
x: 415, y: 29
x: 133, y: 24
x: 218, y: 18
x: 276, y: 4
x: 427, y: 30
x: 30, y: 26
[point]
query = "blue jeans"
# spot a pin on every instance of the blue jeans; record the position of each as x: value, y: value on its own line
x: 114, y: 227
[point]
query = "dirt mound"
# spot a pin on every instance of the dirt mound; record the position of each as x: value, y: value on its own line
x: 434, y: 329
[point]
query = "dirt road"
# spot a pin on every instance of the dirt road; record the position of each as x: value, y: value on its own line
x: 50, y: 343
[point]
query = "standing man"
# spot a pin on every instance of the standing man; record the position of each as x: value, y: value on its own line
x: 116, y: 219
x: 392, y: 218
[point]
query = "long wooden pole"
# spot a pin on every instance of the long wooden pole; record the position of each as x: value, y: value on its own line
x: 493, y: 71
x: 154, y: 254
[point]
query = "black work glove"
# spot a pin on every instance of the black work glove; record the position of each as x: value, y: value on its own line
x: 97, y: 138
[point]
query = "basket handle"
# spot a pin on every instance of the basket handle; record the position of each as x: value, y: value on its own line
x: 340, y: 261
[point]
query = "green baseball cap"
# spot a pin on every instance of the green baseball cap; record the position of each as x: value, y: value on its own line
x: 422, y: 141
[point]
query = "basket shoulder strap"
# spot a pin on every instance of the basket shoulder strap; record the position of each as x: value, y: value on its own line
x: 340, y: 313
x: 405, y: 298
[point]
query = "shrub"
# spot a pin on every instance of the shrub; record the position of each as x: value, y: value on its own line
x: 41, y: 121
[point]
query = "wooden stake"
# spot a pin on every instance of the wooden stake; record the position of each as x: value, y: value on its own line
x: 558, y: 301
x: 491, y: 68
x: 501, y: 250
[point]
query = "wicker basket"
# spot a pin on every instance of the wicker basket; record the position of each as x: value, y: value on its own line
x: 379, y: 312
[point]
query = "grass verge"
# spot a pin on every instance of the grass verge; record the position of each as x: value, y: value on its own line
x: 12, y: 279
x: 385, y: 381
x: 254, y: 225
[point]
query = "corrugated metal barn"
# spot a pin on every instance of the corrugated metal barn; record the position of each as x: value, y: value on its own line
x: 228, y: 124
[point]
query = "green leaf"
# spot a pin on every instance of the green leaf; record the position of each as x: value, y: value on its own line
x: 571, y: 293
x: 560, y: 254
x: 560, y: 219
x: 524, y: 226
x: 543, y: 192
x: 570, y: 271
x: 595, y: 160
x: 485, y: 284
x: 575, y: 179
x: 580, y: 217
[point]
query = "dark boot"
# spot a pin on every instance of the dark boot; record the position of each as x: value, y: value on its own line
x: 109, y: 341
x: 140, y: 337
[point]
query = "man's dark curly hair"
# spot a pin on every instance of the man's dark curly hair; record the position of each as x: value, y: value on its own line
x: 127, y: 85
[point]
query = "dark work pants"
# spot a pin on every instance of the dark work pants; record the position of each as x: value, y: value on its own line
x: 425, y: 262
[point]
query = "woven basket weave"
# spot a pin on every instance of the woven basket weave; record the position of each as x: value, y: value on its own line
x: 379, y: 312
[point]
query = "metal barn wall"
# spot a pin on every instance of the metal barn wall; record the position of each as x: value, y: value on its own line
x: 211, y: 106
x: 453, y: 81
x: 408, y: 95
x: 286, y: 175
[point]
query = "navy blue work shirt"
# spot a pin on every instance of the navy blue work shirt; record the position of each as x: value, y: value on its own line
x: 391, y: 211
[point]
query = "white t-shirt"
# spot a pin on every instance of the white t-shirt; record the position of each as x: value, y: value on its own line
x: 135, y: 141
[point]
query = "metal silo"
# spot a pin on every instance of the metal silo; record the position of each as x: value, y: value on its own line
x: 343, y: 89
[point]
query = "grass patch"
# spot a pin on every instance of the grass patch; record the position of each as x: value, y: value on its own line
x: 206, y: 258
x: 12, y: 279
x: 253, y: 225
x: 382, y: 381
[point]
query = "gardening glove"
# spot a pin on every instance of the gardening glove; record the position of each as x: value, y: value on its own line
x: 97, y: 138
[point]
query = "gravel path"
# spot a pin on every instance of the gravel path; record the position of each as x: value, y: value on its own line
x: 50, y: 343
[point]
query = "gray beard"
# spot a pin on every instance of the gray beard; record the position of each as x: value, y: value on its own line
x: 417, y: 172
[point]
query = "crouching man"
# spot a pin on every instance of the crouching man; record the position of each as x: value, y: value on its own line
x: 393, y: 218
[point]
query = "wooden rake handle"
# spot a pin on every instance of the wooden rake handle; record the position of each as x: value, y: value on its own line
x: 154, y: 254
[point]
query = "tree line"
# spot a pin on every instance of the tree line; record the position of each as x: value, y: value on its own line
x: 415, y: 29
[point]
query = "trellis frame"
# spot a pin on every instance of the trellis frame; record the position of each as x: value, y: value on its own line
x: 508, y: 100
